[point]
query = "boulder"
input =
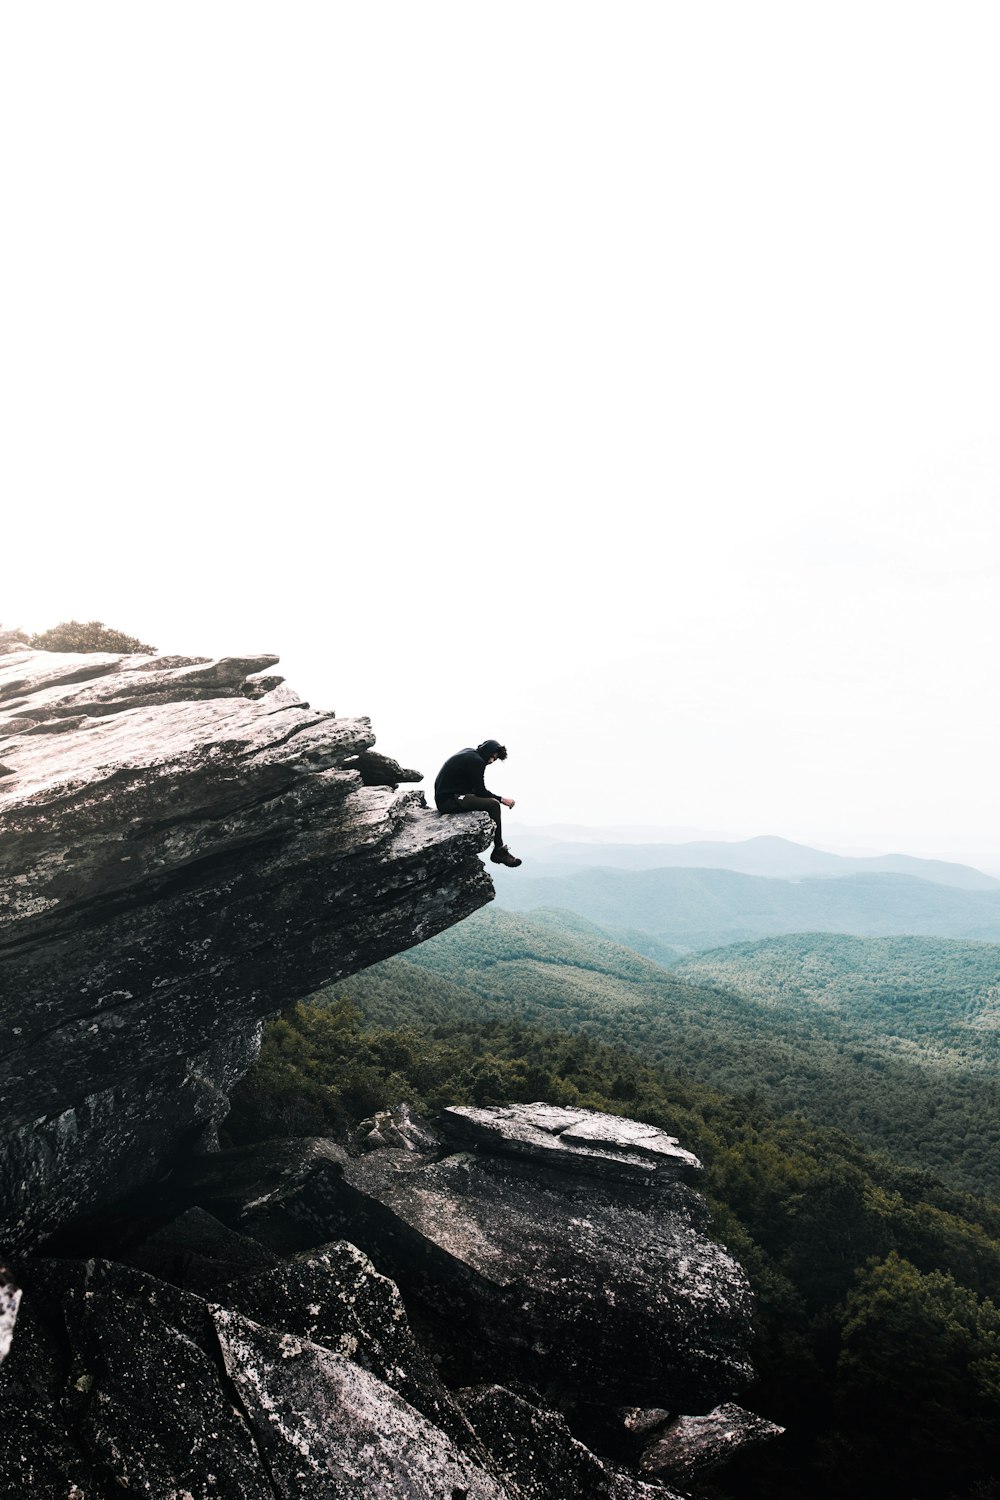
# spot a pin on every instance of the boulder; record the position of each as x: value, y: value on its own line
x: 691, y: 1446
x: 576, y: 1140
x: 114, y: 1386
x: 212, y: 1366
x: 38, y: 1455
x: 331, y: 1431
x: 198, y: 1253
x: 398, y: 1127
x: 281, y: 1193
x: 381, y: 770
x: 334, y: 1296
x: 566, y: 1279
x: 120, y: 1383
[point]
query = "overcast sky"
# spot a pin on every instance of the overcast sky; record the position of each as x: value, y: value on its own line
x: 619, y: 381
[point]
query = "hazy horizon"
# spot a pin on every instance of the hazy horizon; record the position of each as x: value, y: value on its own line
x: 620, y: 383
x: 654, y: 834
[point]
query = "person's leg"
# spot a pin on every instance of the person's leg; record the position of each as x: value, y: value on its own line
x: 469, y: 802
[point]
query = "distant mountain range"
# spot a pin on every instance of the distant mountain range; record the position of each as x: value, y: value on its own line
x: 687, y: 909
x: 774, y: 858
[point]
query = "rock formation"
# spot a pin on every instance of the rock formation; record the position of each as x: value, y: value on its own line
x: 689, y: 1445
x: 583, y: 1275
x: 185, y: 847
x: 203, y: 1361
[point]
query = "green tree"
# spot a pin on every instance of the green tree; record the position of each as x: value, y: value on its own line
x: 878, y: 1334
x: 918, y: 1383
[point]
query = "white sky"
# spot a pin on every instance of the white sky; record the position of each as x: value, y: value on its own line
x: 619, y: 381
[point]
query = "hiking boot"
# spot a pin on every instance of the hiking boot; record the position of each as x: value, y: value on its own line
x: 502, y: 856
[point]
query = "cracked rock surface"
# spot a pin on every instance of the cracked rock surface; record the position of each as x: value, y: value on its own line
x: 185, y: 848
x: 536, y: 1448
x: 330, y: 1429
x: 580, y: 1279
x: 203, y: 1362
x: 578, y: 1140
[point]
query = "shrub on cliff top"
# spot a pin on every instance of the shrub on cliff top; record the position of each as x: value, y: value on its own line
x: 71, y: 635
x: 10, y: 640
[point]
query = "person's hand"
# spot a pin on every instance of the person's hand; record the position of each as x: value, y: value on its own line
x: 507, y: 801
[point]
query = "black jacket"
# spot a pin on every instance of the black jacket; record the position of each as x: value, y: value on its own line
x: 462, y: 773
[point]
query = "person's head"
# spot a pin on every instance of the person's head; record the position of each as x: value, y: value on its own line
x: 492, y: 750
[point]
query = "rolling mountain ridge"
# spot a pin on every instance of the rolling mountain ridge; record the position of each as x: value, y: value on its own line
x: 775, y: 858
x: 709, y: 908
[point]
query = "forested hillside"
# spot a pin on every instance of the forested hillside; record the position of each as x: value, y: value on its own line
x: 931, y: 1108
x: 939, y: 1000
x: 877, y: 1287
x: 697, y: 909
x: 782, y: 1064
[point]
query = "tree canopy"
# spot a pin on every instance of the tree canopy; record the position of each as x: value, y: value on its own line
x: 74, y: 635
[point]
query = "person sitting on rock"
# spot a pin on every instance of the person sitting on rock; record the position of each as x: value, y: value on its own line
x: 459, y: 787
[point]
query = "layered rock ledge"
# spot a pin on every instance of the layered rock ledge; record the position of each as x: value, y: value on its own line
x: 185, y: 847
x: 583, y: 1274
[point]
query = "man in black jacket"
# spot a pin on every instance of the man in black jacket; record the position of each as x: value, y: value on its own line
x: 459, y: 787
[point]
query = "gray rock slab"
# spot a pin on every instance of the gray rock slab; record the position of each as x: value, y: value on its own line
x: 578, y: 1140
x: 156, y: 1416
x: 71, y: 1286
x: 117, y: 1387
x: 332, y: 1431
x: 38, y: 1456
x: 334, y: 1296
x: 691, y: 1446
x: 560, y: 1276
x: 39, y: 1459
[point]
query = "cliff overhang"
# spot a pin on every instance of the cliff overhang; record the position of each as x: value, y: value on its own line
x: 186, y: 847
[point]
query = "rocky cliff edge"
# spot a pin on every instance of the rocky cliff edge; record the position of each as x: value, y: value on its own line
x: 185, y: 848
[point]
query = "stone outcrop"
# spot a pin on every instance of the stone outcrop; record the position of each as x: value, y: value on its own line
x: 580, y: 1141
x: 690, y: 1446
x: 203, y: 1362
x: 185, y: 847
x: 579, y: 1272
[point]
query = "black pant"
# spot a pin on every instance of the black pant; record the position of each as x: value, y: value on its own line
x: 469, y: 802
